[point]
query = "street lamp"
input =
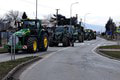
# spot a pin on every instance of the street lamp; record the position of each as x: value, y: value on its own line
x: 85, y: 17
x: 71, y: 11
x: 57, y: 17
x: 36, y: 7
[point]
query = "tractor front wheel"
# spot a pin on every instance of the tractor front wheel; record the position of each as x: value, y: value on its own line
x: 32, y: 44
x: 65, y: 42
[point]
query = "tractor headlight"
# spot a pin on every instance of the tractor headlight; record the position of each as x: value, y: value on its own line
x: 13, y: 40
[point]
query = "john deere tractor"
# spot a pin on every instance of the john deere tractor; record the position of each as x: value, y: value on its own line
x: 78, y: 33
x: 90, y: 34
x: 30, y: 37
x: 61, y: 34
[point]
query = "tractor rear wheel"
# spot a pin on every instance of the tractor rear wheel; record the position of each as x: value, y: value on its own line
x: 56, y: 44
x: 65, y: 42
x: 32, y: 45
x: 80, y: 38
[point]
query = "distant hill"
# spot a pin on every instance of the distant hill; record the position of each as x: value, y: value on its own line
x: 95, y: 27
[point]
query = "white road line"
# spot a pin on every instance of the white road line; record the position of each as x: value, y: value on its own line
x: 93, y: 50
x: 46, y: 57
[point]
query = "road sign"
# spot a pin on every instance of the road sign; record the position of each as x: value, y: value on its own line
x: 109, y: 32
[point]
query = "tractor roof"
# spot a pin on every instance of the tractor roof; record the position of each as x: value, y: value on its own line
x: 30, y: 20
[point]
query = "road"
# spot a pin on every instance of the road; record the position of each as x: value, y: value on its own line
x: 7, y: 56
x: 75, y: 63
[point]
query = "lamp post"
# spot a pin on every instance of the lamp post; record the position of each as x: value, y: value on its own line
x: 71, y: 11
x: 85, y: 18
x: 36, y: 7
x: 57, y: 17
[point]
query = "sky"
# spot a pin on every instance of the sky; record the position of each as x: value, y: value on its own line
x: 95, y: 12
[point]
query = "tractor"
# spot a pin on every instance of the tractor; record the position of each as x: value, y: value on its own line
x: 61, y: 34
x: 90, y: 34
x: 30, y: 37
x: 78, y: 33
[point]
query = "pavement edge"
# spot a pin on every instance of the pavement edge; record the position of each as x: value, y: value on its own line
x: 97, y: 50
x: 18, y: 67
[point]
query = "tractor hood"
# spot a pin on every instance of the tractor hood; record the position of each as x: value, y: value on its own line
x: 22, y: 32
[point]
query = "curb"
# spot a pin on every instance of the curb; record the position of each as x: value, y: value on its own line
x: 109, y: 49
x: 97, y: 50
x: 18, y: 67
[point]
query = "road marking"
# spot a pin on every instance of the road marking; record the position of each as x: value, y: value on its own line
x: 46, y: 57
x: 93, y: 50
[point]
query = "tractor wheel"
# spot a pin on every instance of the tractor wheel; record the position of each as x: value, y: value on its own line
x: 55, y: 44
x: 51, y: 44
x: 80, y: 38
x: 32, y: 45
x: 65, y: 42
x: 44, y: 42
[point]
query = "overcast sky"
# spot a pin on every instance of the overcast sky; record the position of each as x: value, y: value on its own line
x: 100, y: 10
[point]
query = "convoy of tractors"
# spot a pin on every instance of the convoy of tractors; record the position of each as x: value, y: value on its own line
x: 32, y: 37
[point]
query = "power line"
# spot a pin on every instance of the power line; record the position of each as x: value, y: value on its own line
x: 33, y: 3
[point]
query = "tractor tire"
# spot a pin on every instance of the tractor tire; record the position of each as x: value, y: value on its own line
x: 44, y: 42
x: 56, y: 44
x: 32, y: 45
x: 80, y: 38
x: 51, y: 44
x: 65, y: 42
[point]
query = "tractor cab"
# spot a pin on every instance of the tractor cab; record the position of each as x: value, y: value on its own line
x: 30, y: 37
x: 31, y: 24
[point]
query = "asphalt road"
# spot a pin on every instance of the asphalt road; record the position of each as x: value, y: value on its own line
x: 7, y: 56
x: 75, y: 63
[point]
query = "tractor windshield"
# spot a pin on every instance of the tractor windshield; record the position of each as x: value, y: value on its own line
x: 28, y: 24
x: 59, y: 29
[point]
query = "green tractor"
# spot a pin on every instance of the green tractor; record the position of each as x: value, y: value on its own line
x: 61, y: 34
x: 78, y: 33
x: 94, y: 34
x: 90, y: 34
x: 30, y: 37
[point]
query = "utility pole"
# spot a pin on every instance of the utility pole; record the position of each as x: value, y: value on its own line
x: 57, y: 17
x: 36, y: 7
x: 71, y: 12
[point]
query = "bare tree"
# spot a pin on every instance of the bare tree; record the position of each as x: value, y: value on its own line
x: 46, y: 20
x: 12, y: 17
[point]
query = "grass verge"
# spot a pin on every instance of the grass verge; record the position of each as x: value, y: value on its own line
x: 110, y: 47
x: 3, y: 50
x: 7, y: 66
x: 112, y: 54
